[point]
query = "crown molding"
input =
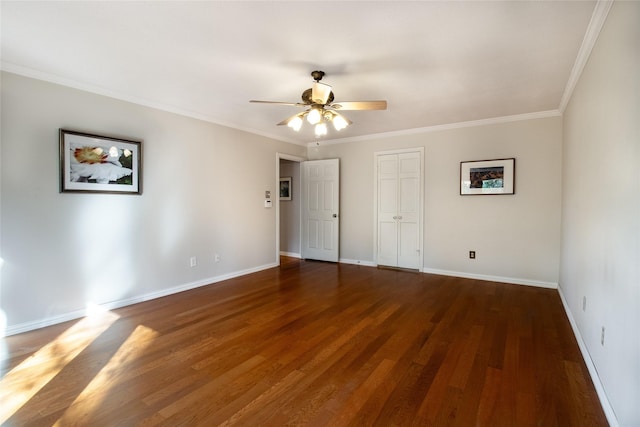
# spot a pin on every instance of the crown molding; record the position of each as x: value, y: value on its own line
x: 438, y: 128
x: 598, y: 18
x: 99, y: 90
x: 51, y: 78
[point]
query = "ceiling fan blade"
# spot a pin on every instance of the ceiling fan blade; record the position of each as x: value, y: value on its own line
x: 320, y: 93
x: 293, y: 104
x: 360, y: 105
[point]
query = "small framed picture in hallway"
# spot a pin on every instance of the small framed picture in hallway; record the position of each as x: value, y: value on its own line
x: 285, y: 188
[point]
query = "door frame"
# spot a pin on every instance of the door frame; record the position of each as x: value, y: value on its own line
x: 299, y: 160
x: 421, y: 202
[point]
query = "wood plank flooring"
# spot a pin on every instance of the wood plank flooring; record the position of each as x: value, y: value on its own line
x: 309, y: 343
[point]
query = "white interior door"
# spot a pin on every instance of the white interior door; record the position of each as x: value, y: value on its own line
x: 320, y: 214
x: 399, y: 204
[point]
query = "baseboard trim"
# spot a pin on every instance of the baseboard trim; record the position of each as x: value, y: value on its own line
x: 357, y: 262
x: 500, y: 279
x: 77, y: 314
x: 593, y: 372
x: 290, y: 254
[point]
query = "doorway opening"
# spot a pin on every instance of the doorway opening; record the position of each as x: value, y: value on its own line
x: 288, y: 207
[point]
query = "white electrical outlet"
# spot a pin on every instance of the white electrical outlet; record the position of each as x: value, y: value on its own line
x: 193, y: 261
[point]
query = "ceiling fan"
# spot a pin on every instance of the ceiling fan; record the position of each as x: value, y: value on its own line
x: 321, y: 109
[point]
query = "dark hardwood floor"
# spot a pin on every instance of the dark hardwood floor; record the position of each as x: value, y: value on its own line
x: 309, y: 343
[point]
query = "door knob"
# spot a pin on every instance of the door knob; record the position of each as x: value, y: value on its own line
x: 335, y: 215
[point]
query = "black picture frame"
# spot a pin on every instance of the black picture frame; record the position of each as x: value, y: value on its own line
x: 285, y: 188
x: 91, y: 163
x: 488, y: 177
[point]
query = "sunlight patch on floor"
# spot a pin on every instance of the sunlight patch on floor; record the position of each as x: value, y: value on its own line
x: 21, y: 383
x: 96, y: 391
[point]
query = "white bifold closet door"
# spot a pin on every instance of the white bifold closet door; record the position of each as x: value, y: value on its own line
x: 399, y: 205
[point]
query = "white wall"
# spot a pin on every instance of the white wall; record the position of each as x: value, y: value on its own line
x: 203, y: 193
x: 290, y: 210
x: 601, y: 209
x: 516, y: 237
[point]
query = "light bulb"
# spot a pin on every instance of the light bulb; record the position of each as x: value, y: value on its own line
x: 295, y: 123
x: 339, y: 122
x: 321, y: 129
x: 314, y: 116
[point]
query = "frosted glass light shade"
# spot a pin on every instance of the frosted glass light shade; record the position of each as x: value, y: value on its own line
x: 314, y: 116
x: 320, y: 93
x: 339, y: 122
x: 295, y: 123
x: 321, y: 129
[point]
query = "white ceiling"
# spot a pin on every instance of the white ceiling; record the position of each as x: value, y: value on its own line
x: 434, y: 62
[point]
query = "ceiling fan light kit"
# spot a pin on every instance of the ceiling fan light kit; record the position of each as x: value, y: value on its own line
x: 320, y: 108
